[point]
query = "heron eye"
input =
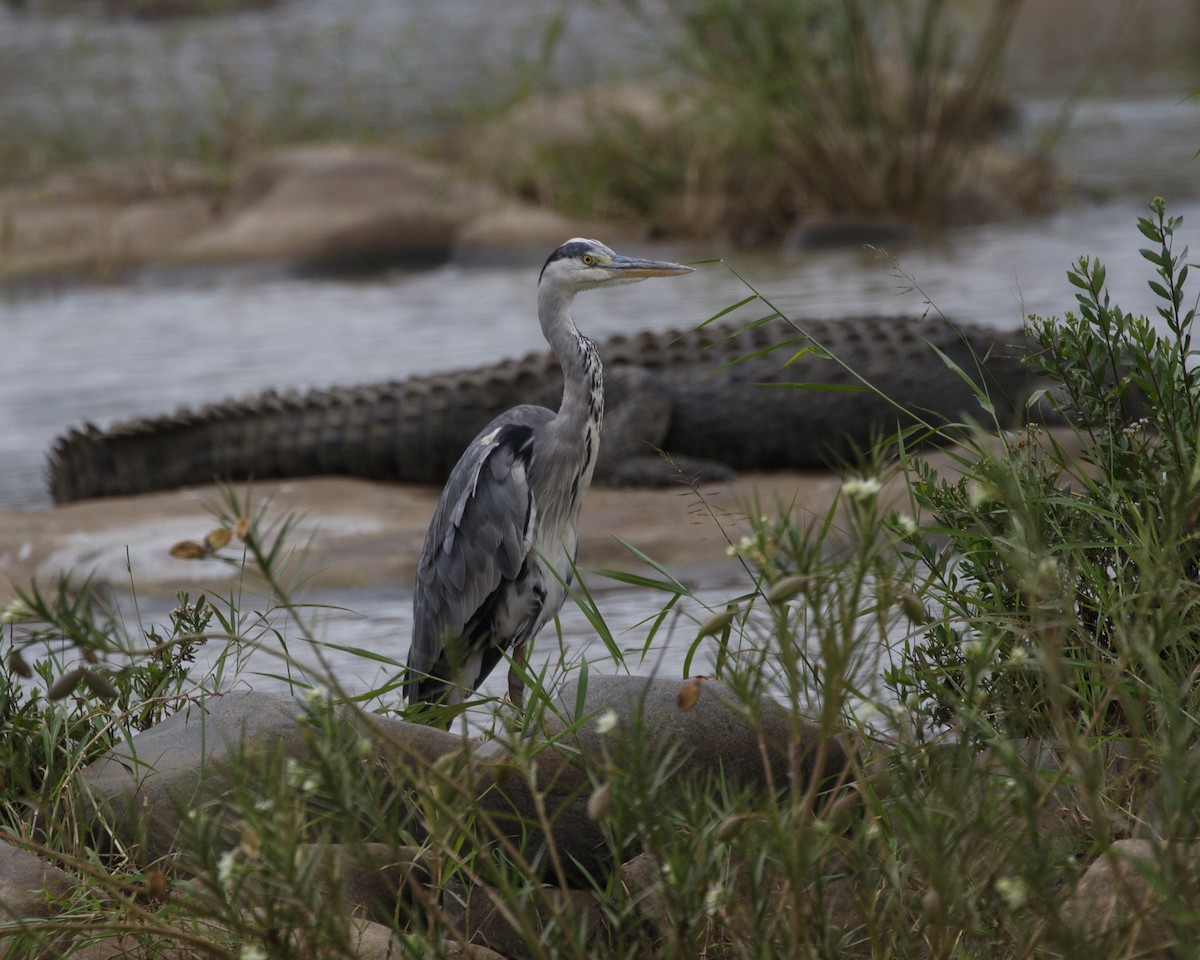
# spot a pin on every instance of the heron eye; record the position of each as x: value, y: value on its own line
x: 588, y: 259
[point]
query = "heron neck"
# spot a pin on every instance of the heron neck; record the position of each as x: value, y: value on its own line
x: 583, y: 375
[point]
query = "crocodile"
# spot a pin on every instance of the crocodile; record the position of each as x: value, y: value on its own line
x: 704, y: 403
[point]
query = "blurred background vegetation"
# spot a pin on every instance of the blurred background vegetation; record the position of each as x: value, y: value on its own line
x: 687, y: 117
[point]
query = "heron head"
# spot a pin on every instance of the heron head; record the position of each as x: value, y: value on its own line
x: 581, y: 264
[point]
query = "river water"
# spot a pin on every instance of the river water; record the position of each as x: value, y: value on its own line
x: 160, y: 338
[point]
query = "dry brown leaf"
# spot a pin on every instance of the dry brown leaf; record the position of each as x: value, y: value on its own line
x: 689, y: 693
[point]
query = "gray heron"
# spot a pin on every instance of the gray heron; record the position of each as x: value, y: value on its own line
x: 500, y: 549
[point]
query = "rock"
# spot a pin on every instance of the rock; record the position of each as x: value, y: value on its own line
x: 367, y: 941
x: 29, y: 885
x: 485, y: 916
x: 1116, y: 901
x: 373, y: 879
x: 828, y: 901
x: 521, y: 226
x: 642, y: 879
x: 337, y: 208
x: 101, y: 217
x: 713, y: 738
x: 469, y: 951
x: 153, y: 946
x: 331, y: 208
x: 716, y: 735
x: 140, y: 788
x: 374, y: 941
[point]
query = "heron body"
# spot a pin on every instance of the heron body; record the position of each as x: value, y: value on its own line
x: 498, y: 558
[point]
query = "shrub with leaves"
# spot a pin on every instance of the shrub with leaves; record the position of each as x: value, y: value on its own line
x: 1066, y: 573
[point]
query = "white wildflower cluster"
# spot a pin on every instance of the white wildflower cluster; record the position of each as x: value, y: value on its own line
x: 1012, y: 891
x: 252, y: 952
x: 861, y: 489
x: 1018, y: 656
x: 1138, y: 427
x: 299, y: 777
x: 225, y: 868
x: 16, y: 612
x: 752, y: 549
x: 981, y: 492
x: 316, y: 695
x: 746, y: 546
x: 713, y: 897
x: 903, y: 524
x: 607, y: 721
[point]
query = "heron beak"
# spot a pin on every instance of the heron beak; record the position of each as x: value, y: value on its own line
x: 636, y: 269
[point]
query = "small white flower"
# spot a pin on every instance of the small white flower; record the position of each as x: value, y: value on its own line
x: 861, y: 488
x: 905, y: 524
x: 1012, y: 891
x: 979, y: 493
x: 607, y: 721
x: 225, y: 868
x: 712, y: 899
x: 294, y: 772
x: 15, y: 612
x: 252, y: 952
x: 1018, y: 657
x: 316, y: 694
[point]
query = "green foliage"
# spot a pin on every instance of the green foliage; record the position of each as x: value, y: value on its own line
x: 89, y: 685
x: 1067, y: 578
x: 779, y: 109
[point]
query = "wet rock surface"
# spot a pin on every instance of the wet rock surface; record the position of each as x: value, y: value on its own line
x: 326, y: 208
x: 360, y: 533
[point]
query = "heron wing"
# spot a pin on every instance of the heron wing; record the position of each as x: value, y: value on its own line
x: 478, y: 541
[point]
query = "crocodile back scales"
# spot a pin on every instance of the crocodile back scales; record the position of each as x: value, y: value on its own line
x: 414, y: 430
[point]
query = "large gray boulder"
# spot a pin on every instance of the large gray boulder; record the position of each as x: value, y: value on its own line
x: 141, y: 789
x: 28, y: 884
x: 700, y: 727
x: 639, y: 726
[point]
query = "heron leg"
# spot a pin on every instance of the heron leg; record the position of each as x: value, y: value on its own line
x: 516, y: 685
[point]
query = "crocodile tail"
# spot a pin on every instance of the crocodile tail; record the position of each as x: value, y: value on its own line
x: 359, y: 432
x: 411, y: 431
